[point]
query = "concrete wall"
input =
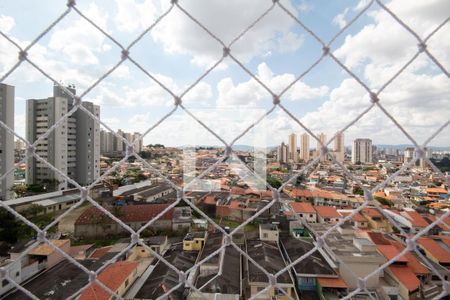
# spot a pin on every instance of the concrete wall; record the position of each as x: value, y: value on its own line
x: 96, y: 230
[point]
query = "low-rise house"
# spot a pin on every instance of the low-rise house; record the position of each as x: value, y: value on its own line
x: 436, y: 250
x: 47, y: 255
x: 93, y: 223
x: 312, y: 268
x: 268, y: 256
x: 118, y: 277
x: 162, y: 279
x: 194, y: 241
x: 305, y: 211
x: 220, y: 276
x: 359, y: 254
x: 327, y: 214
x: 376, y: 220
x: 268, y: 232
x: 417, y: 221
x: 357, y: 220
x: 408, y: 272
x: 38, y: 259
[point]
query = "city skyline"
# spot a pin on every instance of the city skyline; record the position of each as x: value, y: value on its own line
x: 325, y: 100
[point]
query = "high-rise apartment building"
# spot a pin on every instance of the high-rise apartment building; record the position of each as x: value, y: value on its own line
x: 362, y: 151
x: 113, y: 145
x: 6, y: 139
x: 107, y: 142
x: 304, y: 147
x: 282, y: 153
x: 73, y: 147
x: 293, y: 155
x: 323, y: 139
x: 339, y: 149
x: 137, y: 139
x: 408, y: 154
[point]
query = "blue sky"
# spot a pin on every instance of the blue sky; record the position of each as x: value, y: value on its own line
x: 277, y: 49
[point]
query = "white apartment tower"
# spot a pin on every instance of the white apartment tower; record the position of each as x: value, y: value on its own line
x: 339, y: 149
x: 107, y: 142
x: 6, y: 139
x: 323, y: 139
x: 282, y: 153
x: 362, y: 151
x: 304, y: 147
x: 73, y: 147
x: 139, y: 144
x: 293, y: 155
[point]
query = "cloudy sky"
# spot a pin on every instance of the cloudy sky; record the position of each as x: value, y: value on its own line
x: 277, y: 50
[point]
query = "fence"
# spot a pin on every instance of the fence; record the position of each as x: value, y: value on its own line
x: 376, y: 100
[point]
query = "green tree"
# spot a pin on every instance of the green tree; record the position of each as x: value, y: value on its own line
x: 275, y: 183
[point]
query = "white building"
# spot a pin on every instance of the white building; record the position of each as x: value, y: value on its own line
x: 362, y: 151
x: 282, y: 153
x: 6, y: 139
x: 323, y: 139
x: 73, y: 147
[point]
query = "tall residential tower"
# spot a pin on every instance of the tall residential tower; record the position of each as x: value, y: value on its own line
x: 73, y: 147
x: 339, y: 149
x: 304, y: 147
x: 6, y: 139
x: 293, y: 155
x: 362, y: 151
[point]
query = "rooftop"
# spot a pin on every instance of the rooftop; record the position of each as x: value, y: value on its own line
x: 268, y: 256
x: 314, y: 264
x: 112, y: 277
x: 163, y: 278
x: 128, y: 213
x: 302, y: 207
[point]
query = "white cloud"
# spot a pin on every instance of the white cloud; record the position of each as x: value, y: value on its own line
x: 418, y: 99
x: 386, y: 43
x: 339, y: 19
x: 134, y: 15
x: 178, y: 34
x: 81, y: 42
x: 6, y: 23
x: 251, y: 92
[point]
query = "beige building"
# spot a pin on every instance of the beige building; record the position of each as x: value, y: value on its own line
x: 268, y: 232
x: 293, y: 155
x: 339, y: 149
x: 304, y: 147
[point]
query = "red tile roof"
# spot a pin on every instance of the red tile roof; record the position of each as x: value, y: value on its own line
x: 378, y: 238
x: 332, y: 282
x: 442, y: 255
x: 416, y: 219
x: 406, y: 276
x: 128, y: 213
x: 113, y: 277
x: 100, y: 252
x: 210, y: 200
x: 298, y: 193
x: 327, y: 211
x: 372, y: 212
x: 389, y: 252
x: 302, y: 207
x: 413, y: 262
x: 356, y: 217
